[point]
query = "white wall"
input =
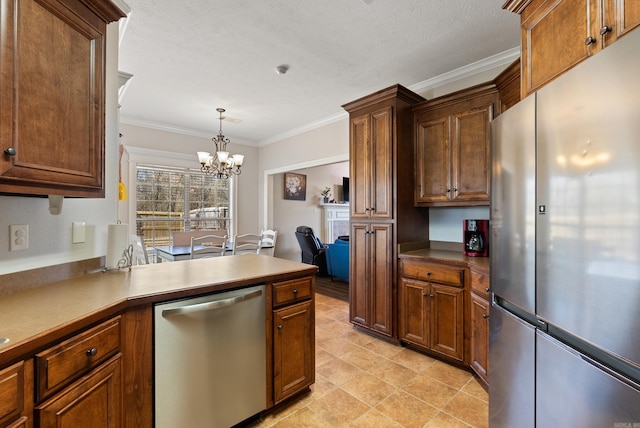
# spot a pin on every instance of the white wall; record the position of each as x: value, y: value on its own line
x: 50, y: 236
x: 289, y: 214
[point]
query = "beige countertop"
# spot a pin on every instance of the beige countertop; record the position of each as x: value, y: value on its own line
x: 33, y: 314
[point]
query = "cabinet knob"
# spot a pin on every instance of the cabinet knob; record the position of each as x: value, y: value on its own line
x: 279, y: 326
x: 10, y: 151
x: 425, y: 294
x: 295, y: 291
x: 485, y: 316
x: 448, y: 190
x: 604, y: 30
x: 589, y: 40
x: 431, y: 295
x: 487, y: 289
x: 92, y: 352
x: 428, y: 273
x: 455, y: 189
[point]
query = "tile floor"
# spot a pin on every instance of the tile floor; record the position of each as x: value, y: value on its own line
x: 365, y: 382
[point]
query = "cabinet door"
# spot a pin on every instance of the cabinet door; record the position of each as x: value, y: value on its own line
x: 480, y: 336
x: 93, y: 401
x: 414, y: 309
x: 372, y: 165
x: 360, y: 167
x: 52, y: 73
x: 447, y: 321
x: 621, y: 16
x: 382, y: 164
x: 294, y: 359
x: 554, y: 39
x: 470, y: 157
x: 359, y: 274
x: 433, y: 160
x: 381, y: 277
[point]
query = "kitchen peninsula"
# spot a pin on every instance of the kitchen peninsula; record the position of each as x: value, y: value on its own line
x: 84, y: 346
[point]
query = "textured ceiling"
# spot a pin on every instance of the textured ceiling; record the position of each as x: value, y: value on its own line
x: 190, y: 57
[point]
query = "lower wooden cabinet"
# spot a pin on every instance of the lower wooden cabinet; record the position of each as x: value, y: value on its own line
x: 95, y: 400
x: 433, y: 317
x: 294, y: 344
x: 16, y: 395
x: 480, y: 336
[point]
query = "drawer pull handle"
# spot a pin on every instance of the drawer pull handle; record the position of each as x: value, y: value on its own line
x: 295, y: 291
x: 92, y: 352
x: 428, y: 273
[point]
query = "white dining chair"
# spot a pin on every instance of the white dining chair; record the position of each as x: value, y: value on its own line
x: 269, y: 237
x: 249, y: 243
x: 139, y: 250
x: 207, y: 246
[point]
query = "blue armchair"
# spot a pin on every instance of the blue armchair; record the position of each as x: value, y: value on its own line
x: 338, y: 259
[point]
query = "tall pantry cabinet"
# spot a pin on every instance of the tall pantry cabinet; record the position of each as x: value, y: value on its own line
x: 382, y: 209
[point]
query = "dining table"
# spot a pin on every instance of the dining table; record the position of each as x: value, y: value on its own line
x: 174, y: 253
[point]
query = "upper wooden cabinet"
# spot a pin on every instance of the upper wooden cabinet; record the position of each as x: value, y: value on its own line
x: 508, y: 85
x: 452, y: 147
x: 52, y: 81
x: 559, y: 34
x: 371, y: 171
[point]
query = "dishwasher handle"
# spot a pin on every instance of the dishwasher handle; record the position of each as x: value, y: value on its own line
x: 207, y: 306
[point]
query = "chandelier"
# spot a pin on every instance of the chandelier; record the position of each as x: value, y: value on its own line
x: 220, y: 165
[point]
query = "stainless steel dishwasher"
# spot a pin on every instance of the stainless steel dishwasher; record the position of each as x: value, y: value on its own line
x: 210, y: 359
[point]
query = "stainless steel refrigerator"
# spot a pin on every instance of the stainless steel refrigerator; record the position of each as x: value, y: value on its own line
x: 565, y: 264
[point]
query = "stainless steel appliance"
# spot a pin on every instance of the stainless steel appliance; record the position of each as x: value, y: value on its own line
x: 210, y: 359
x: 565, y: 258
x: 476, y: 238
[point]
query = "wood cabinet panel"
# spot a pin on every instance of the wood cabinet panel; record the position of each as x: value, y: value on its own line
x: 93, y: 401
x: 52, y: 62
x: 479, y: 353
x: 447, y: 321
x: 61, y: 364
x: 291, y: 291
x: 451, y: 147
x: 559, y: 34
x: 16, y: 394
x: 294, y: 356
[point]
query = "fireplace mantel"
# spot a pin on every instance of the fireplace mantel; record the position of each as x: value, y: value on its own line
x: 335, y: 221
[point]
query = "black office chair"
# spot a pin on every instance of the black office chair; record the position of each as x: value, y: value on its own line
x: 313, y: 250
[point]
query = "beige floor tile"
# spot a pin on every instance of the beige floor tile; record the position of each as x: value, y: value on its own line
x: 383, y: 348
x: 339, y: 408
x: 452, y: 376
x: 392, y: 372
x: 338, y: 346
x: 374, y: 419
x: 473, y: 387
x: 430, y: 390
x: 303, y: 418
x: 413, y: 360
x: 338, y: 328
x: 408, y: 411
x: 323, y: 357
x: 442, y: 420
x: 362, y: 358
x: 468, y: 409
x: 338, y: 371
x: 368, y: 389
x: 322, y: 387
x: 358, y: 337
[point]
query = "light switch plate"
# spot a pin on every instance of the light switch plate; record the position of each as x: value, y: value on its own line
x: 18, y: 237
x: 77, y: 236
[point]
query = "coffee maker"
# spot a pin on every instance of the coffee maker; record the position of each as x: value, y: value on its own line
x: 476, y: 238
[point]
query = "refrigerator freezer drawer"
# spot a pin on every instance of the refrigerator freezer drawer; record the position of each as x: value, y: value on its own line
x: 512, y: 371
x: 573, y: 392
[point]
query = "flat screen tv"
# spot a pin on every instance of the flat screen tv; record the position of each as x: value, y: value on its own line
x: 345, y: 189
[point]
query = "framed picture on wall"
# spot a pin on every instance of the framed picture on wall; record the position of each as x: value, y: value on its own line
x: 295, y: 186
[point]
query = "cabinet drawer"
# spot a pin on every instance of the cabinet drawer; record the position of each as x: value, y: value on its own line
x: 480, y: 282
x: 291, y: 291
x: 11, y: 392
x: 65, y: 362
x: 433, y: 272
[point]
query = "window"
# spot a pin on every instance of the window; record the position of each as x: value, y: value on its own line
x: 179, y: 199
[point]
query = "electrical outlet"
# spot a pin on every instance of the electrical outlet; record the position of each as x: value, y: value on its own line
x: 18, y: 237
